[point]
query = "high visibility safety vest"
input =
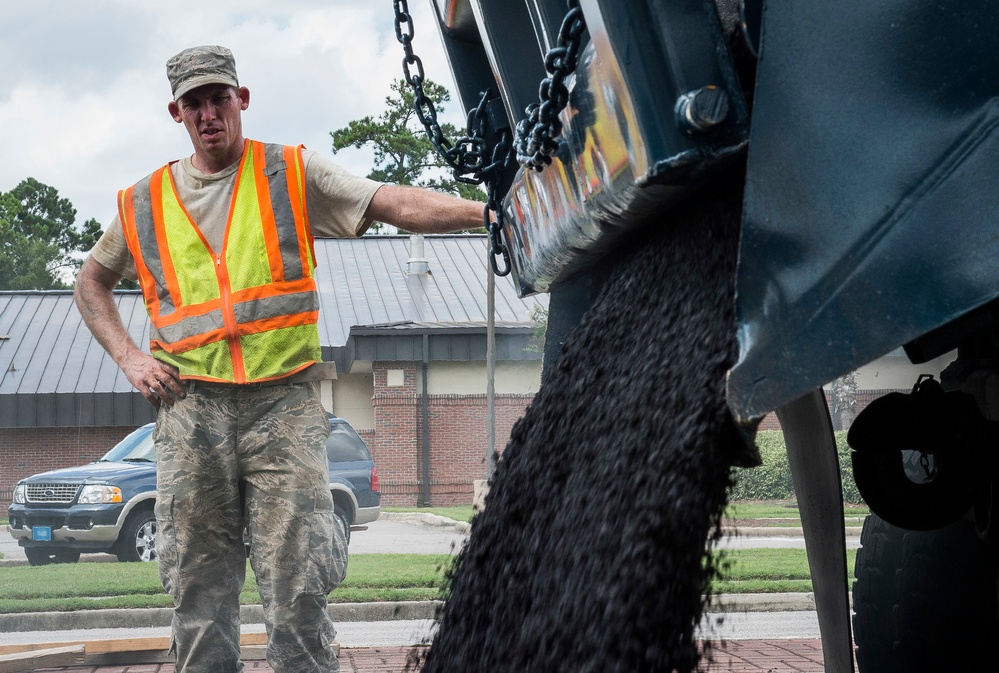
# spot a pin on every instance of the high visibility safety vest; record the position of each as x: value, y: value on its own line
x: 245, y: 314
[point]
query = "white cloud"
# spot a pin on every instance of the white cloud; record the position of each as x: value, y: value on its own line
x: 83, y: 89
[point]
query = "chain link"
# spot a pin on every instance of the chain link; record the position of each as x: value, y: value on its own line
x: 467, y: 155
x: 537, y: 134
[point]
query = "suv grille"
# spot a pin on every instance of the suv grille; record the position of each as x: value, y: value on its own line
x: 64, y: 493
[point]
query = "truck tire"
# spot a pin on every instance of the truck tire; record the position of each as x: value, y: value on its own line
x: 40, y: 556
x: 344, y: 521
x: 137, y: 541
x: 874, y: 593
x: 923, y: 601
x: 37, y: 556
x: 65, y: 555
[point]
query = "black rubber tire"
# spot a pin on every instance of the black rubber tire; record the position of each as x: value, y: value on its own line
x: 40, y: 556
x: 66, y: 556
x: 342, y: 516
x: 923, y: 601
x: 877, y: 564
x: 37, y: 556
x: 137, y: 541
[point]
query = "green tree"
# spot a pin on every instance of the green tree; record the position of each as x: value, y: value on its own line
x: 404, y: 154
x: 38, y: 238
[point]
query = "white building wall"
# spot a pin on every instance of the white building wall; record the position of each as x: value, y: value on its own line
x: 895, y: 372
x: 351, y: 399
x: 469, y: 378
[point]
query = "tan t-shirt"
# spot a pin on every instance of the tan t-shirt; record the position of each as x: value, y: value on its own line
x: 335, y: 199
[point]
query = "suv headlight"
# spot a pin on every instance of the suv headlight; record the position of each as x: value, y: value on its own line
x: 19, y: 494
x: 94, y: 494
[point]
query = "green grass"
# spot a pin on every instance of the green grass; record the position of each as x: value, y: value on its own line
x: 746, y: 571
x: 371, y: 577
x: 780, y: 510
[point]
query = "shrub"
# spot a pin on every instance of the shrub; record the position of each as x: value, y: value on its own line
x: 772, y: 479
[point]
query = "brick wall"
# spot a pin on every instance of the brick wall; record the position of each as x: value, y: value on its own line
x: 393, y: 443
x: 459, y: 445
x: 458, y: 441
x: 27, y: 451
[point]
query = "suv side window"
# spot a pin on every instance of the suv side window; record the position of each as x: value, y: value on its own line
x: 344, y: 445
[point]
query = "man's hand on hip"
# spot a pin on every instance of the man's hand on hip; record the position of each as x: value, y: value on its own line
x: 157, y: 381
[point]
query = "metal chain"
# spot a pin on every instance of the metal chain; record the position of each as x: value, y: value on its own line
x: 537, y: 135
x: 467, y: 155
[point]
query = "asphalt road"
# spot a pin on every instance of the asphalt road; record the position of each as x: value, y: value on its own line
x: 380, y: 537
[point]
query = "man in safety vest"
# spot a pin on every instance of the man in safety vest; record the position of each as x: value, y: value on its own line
x: 221, y: 244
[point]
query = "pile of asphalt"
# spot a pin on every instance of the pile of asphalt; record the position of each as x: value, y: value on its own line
x: 594, y: 550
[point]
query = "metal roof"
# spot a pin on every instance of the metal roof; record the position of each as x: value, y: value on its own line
x: 363, y: 281
x: 54, y: 373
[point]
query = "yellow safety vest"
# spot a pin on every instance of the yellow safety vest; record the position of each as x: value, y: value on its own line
x: 249, y: 313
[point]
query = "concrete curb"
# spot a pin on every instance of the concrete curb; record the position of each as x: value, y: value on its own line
x: 781, y: 531
x: 125, y: 618
x: 464, y: 527
x: 427, y: 519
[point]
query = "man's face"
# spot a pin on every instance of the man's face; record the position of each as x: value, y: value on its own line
x: 211, y: 115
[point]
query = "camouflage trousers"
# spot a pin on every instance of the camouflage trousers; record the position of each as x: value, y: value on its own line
x: 230, y: 457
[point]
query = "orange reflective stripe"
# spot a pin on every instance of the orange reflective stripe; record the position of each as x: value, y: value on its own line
x: 255, y: 327
x: 187, y: 312
x: 277, y: 322
x: 126, y: 213
x: 264, y: 291
x: 262, y: 187
x: 296, y: 192
x: 189, y: 343
x: 169, y: 272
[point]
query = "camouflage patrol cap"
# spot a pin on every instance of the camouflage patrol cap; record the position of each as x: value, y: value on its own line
x: 198, y: 66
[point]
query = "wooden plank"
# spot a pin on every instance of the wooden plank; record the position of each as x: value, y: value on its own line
x: 52, y: 657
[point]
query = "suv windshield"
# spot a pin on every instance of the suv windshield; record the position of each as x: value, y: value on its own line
x: 344, y: 445
x: 136, y: 447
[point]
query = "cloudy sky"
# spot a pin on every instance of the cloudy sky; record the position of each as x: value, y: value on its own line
x: 83, y: 88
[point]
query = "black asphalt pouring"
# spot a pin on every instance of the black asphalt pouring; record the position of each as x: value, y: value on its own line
x: 593, y: 552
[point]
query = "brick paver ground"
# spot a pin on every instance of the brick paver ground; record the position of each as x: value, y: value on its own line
x: 736, y: 656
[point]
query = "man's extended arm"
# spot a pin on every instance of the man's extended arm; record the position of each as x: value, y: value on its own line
x: 157, y: 381
x: 422, y: 211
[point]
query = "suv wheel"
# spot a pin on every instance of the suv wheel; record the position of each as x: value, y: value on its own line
x: 40, y: 556
x: 66, y: 556
x: 342, y: 516
x: 138, y: 538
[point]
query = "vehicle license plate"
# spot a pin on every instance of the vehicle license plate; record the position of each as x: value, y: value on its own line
x: 42, y: 533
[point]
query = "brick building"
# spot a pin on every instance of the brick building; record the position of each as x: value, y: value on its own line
x: 406, y: 328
